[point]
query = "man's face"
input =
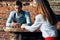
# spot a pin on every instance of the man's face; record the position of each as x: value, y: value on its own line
x: 18, y: 8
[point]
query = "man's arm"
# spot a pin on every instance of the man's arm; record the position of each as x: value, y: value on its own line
x: 28, y: 18
x: 9, y: 20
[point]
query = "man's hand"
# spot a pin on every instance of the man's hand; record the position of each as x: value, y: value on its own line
x: 7, y: 29
x: 15, y: 25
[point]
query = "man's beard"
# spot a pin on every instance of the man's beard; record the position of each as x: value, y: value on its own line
x: 20, y: 11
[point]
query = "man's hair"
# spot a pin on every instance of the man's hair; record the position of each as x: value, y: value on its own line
x: 19, y: 3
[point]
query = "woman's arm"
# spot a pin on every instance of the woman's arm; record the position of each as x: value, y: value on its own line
x: 38, y: 22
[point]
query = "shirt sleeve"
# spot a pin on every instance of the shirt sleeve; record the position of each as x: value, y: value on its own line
x: 28, y: 18
x: 9, y: 20
x: 38, y: 22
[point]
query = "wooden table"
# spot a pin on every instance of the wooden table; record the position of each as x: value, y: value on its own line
x: 17, y: 31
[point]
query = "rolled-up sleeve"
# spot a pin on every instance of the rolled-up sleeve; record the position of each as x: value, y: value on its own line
x: 38, y: 22
x: 28, y: 18
x: 9, y: 20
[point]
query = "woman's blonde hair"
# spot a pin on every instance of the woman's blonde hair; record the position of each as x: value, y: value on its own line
x: 43, y: 8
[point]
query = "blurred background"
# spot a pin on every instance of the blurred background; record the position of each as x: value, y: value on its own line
x: 6, y: 6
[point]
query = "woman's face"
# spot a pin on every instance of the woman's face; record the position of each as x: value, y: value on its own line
x: 18, y: 8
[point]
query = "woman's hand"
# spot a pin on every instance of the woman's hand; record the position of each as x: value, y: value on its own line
x: 23, y: 25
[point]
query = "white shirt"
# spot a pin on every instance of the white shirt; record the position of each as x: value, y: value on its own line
x: 45, y: 27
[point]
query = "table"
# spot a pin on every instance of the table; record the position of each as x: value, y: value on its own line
x: 17, y: 31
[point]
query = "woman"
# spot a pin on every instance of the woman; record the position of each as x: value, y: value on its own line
x: 45, y: 20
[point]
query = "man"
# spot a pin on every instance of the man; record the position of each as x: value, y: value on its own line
x: 18, y: 17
